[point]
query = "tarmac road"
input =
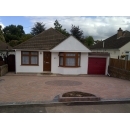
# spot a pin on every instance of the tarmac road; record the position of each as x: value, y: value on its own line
x: 103, y: 108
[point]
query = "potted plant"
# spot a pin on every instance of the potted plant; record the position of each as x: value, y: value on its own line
x: 123, y: 56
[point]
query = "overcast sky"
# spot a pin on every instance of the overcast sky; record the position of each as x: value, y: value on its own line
x: 99, y: 27
x: 100, y: 19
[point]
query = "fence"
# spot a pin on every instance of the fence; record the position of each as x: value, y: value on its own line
x: 121, y: 64
x: 119, y: 68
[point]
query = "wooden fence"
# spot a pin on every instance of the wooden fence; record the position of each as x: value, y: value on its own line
x: 121, y: 64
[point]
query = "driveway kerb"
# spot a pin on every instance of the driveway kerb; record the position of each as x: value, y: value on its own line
x: 51, y: 103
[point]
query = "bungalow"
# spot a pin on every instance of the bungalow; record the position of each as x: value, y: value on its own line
x: 52, y: 52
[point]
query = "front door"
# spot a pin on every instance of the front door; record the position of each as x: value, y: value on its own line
x: 47, y: 61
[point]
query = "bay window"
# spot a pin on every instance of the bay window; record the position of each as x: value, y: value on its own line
x: 69, y: 59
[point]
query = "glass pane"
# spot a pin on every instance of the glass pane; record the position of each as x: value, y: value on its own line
x: 61, y: 60
x: 34, y: 53
x: 25, y: 59
x: 70, y: 54
x: 25, y: 53
x: 33, y: 59
x: 78, y: 61
x: 70, y: 61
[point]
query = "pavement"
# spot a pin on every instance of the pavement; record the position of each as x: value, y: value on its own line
x: 104, y: 108
x: 38, y: 88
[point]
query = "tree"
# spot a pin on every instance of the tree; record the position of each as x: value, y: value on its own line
x: 25, y: 37
x: 89, y: 41
x: 58, y: 27
x: 38, y: 28
x: 1, y: 34
x: 77, y: 32
x: 13, y: 32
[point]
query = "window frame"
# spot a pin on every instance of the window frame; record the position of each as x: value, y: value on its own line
x: 64, y: 56
x: 30, y: 55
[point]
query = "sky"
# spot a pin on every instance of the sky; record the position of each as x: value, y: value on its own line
x: 100, y: 27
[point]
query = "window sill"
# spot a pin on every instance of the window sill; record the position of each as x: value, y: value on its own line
x: 70, y: 66
x: 29, y: 65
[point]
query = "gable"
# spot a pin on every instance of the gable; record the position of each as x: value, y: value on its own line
x: 70, y: 44
x: 126, y: 47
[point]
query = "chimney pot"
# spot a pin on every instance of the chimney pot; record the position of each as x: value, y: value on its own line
x: 119, y: 33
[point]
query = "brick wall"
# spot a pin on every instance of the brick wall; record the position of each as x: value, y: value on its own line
x: 119, y: 73
x: 3, y: 69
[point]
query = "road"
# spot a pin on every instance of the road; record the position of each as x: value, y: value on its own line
x: 103, y: 108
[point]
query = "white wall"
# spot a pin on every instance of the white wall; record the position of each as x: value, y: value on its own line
x: 125, y: 48
x: 28, y: 69
x: 72, y: 71
x: 71, y: 44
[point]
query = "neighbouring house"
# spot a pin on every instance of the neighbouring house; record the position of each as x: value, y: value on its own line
x: 7, y: 55
x: 5, y: 49
x: 117, y: 45
x: 53, y: 52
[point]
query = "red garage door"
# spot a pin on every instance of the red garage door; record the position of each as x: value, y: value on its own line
x: 96, y: 65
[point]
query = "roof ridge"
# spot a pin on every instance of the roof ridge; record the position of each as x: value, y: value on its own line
x: 59, y: 32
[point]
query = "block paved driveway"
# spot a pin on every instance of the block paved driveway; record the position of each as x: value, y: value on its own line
x: 45, y: 88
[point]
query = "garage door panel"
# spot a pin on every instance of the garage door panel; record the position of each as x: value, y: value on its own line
x: 96, y: 65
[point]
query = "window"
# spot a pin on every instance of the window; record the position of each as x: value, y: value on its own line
x: 29, y: 58
x: 69, y: 59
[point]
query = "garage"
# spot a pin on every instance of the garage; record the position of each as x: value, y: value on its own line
x: 98, y: 63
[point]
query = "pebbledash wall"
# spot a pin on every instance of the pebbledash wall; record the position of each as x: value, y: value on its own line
x: 54, y: 65
x: 83, y: 69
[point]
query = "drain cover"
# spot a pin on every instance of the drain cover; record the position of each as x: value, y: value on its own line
x: 63, y: 83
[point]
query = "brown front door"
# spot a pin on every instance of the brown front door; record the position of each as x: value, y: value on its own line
x: 47, y: 61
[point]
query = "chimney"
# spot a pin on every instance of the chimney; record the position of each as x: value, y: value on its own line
x: 119, y: 33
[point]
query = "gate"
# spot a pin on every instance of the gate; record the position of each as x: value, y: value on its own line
x: 11, y: 63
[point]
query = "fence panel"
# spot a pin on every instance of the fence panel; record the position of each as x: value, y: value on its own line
x: 121, y: 64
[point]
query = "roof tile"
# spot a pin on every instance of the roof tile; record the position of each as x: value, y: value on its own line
x: 43, y: 41
x: 4, y: 46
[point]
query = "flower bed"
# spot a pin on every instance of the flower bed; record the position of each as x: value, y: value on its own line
x: 77, y: 96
